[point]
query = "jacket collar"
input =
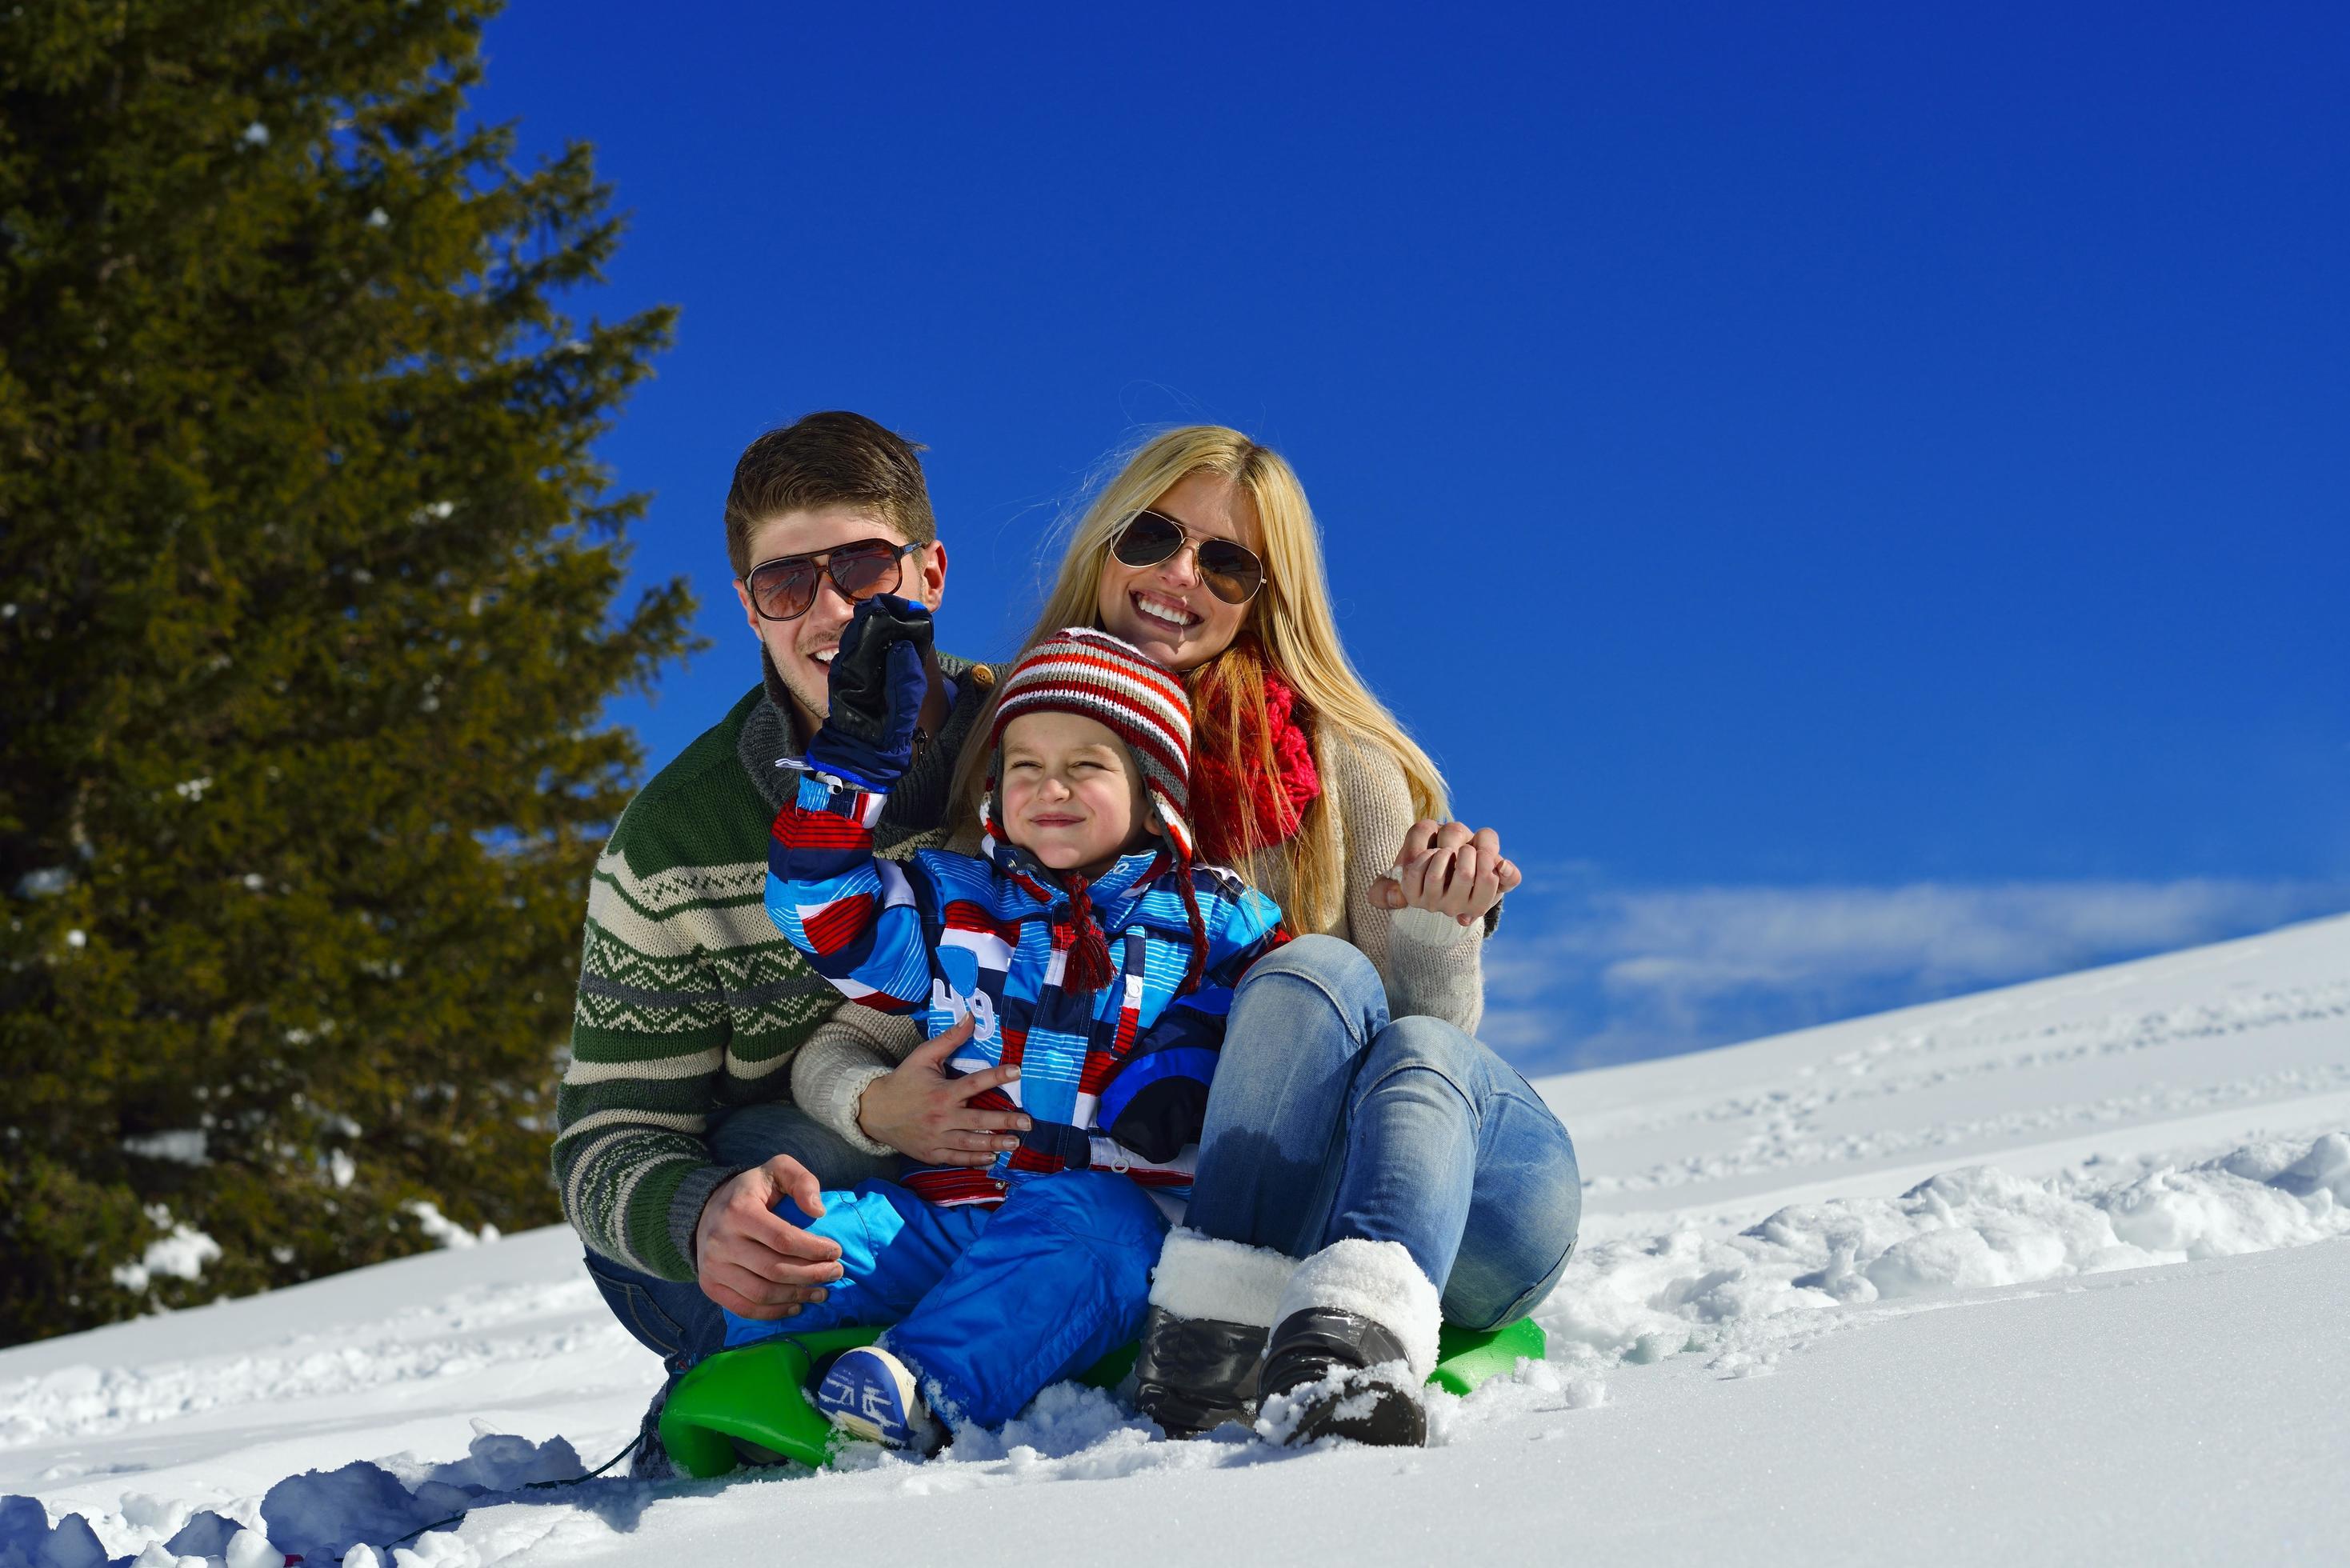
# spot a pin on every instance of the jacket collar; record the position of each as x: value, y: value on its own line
x: 1044, y: 884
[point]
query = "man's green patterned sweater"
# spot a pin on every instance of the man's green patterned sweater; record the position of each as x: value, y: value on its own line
x: 691, y: 1001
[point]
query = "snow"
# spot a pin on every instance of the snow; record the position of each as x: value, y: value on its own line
x: 183, y: 1146
x: 428, y: 1215
x: 2052, y: 1273
x: 181, y: 1255
x: 47, y: 881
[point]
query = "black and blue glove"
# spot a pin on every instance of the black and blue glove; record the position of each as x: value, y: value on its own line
x: 879, y: 677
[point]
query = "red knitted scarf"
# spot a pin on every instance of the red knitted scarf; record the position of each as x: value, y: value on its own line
x: 1277, y: 800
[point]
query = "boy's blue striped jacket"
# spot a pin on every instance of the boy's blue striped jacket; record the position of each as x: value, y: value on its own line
x: 1116, y: 1079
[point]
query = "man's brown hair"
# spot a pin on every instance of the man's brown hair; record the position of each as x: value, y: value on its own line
x: 833, y: 459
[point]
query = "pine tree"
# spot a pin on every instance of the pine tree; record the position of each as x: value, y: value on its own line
x: 307, y: 614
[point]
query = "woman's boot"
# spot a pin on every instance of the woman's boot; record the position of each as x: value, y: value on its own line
x: 1211, y: 1305
x: 1354, y: 1341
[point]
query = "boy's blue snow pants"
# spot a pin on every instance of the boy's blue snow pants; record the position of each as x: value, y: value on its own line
x: 988, y: 1306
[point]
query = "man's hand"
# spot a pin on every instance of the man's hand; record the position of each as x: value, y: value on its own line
x: 752, y: 1262
x: 920, y: 1112
x: 1445, y: 867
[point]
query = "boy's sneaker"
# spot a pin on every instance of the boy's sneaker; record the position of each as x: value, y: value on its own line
x: 869, y: 1392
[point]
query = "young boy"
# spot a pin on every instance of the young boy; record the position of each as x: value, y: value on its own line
x: 1095, y: 962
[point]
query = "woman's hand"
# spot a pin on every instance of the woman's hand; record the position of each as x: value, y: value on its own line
x: 922, y: 1113
x: 1446, y: 868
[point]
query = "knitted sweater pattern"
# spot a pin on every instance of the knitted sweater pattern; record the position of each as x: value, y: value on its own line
x: 690, y: 1002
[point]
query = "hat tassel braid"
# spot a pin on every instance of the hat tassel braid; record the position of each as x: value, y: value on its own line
x: 1087, y: 967
x: 1194, y: 971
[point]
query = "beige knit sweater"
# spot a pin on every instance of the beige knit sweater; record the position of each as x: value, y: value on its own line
x: 1430, y: 962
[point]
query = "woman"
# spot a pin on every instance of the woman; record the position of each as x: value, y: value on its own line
x: 1364, y: 1158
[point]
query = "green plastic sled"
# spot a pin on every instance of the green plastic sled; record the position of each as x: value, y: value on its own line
x: 758, y: 1396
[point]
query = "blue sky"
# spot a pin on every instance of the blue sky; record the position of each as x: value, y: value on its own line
x: 1858, y: 498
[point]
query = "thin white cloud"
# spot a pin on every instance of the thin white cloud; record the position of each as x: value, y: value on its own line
x: 1601, y: 974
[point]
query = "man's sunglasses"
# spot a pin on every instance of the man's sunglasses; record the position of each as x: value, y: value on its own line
x: 784, y: 588
x: 1232, y: 572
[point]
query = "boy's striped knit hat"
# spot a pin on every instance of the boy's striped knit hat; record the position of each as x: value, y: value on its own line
x: 1106, y: 679
x: 1091, y: 673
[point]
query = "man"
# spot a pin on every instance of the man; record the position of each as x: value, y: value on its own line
x: 675, y: 1133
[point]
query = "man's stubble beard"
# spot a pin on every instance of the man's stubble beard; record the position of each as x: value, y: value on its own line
x: 806, y: 712
x: 818, y: 702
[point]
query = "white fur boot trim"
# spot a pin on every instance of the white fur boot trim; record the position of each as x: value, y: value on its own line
x: 1374, y: 1280
x: 1225, y: 1282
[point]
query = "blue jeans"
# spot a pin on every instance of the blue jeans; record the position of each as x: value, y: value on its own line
x: 1327, y: 1121
x: 987, y: 1307
x: 672, y: 1318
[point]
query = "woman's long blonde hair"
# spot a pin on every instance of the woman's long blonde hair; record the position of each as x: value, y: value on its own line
x: 1289, y: 627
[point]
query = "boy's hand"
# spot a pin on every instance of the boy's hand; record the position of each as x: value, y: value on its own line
x: 920, y: 1112
x: 753, y: 1262
x: 879, y: 678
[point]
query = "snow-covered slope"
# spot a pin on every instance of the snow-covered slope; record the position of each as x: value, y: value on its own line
x: 2054, y: 1273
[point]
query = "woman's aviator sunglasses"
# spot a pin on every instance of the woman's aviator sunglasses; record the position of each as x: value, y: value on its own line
x: 1231, y: 571
x: 784, y: 588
